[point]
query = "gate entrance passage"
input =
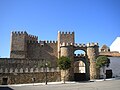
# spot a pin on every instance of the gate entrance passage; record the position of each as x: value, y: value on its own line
x: 80, y: 76
x: 79, y: 71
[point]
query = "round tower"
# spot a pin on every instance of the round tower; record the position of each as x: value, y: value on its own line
x: 64, y: 52
x: 93, y: 52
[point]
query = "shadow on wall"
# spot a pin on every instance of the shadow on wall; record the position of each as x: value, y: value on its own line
x: 6, y: 88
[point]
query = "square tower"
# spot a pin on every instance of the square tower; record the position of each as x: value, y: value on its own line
x: 65, y: 37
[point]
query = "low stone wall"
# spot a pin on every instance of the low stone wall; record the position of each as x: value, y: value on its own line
x: 110, y: 54
x: 21, y: 78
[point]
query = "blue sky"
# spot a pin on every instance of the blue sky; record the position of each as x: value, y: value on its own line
x: 91, y: 20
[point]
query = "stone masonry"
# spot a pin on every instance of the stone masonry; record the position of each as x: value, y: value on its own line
x: 28, y: 54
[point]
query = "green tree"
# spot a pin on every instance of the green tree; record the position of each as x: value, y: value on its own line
x: 102, y: 62
x: 64, y: 64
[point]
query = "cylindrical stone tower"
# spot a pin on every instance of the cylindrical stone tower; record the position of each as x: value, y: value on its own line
x: 92, y: 52
x: 64, y: 52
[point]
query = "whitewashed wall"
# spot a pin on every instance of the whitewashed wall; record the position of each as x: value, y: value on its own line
x: 114, y: 65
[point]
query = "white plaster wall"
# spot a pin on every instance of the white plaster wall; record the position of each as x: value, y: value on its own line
x: 114, y: 65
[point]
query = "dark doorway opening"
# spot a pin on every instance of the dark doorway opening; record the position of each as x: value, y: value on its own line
x: 108, y: 73
x: 4, y: 81
x: 80, y: 67
x: 80, y: 76
x: 79, y: 71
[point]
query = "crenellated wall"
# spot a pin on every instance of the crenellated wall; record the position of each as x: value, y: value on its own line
x: 24, y: 45
x: 28, y: 37
x: 67, y: 37
x: 43, y: 50
x: 32, y: 38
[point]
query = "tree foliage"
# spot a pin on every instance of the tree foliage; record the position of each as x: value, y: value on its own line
x: 102, y: 61
x: 64, y: 63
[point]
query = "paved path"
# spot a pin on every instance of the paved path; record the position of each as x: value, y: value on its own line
x: 98, y: 85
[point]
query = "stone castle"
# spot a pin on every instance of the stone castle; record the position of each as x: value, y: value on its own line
x: 27, y: 54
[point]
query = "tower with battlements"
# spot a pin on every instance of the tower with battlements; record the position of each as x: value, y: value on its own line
x: 92, y: 53
x: 19, y: 42
x: 65, y: 48
x: 64, y: 38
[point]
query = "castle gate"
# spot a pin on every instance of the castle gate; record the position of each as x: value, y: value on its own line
x: 81, y: 64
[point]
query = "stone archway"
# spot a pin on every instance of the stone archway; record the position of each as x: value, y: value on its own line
x: 79, y: 71
x: 81, y: 67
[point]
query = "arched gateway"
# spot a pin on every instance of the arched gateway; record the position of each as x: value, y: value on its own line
x: 81, y: 65
x: 85, y: 62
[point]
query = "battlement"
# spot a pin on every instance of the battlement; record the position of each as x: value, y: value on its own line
x: 32, y: 37
x: 28, y: 36
x: 19, y: 33
x: 50, y: 42
x: 65, y: 33
x: 66, y: 44
x: 79, y: 55
x: 47, y: 42
x: 92, y: 44
x: 79, y: 45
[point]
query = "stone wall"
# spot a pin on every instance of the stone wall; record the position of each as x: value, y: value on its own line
x: 21, y: 78
x: 110, y: 54
x: 23, y: 70
x: 19, y: 63
x: 10, y: 65
x: 46, y: 51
